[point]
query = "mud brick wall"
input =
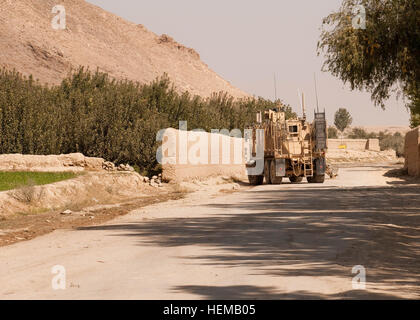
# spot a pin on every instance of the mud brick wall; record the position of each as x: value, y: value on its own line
x: 373, y: 145
x: 412, y: 152
x: 202, y: 155
x: 351, y: 144
x: 354, y: 144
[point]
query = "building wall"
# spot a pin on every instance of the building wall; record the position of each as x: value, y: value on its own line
x: 412, y: 152
x: 209, y: 154
x: 354, y: 144
x: 373, y: 145
x: 351, y: 144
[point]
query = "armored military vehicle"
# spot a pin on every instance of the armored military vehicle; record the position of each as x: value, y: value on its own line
x: 293, y: 148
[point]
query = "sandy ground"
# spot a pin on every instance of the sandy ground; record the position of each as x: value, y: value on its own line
x: 267, y: 242
x: 90, y: 199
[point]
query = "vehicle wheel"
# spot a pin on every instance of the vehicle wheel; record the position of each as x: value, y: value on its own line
x: 256, y: 180
x: 316, y: 179
x: 295, y: 179
x: 274, y: 179
x: 267, y: 174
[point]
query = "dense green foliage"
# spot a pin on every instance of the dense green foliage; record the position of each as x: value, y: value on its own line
x: 342, y: 119
x: 332, y: 133
x: 101, y: 117
x: 380, y: 58
x: 12, y: 180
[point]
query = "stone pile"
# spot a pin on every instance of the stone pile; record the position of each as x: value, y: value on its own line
x: 109, y: 166
x: 155, y: 181
x: 125, y: 167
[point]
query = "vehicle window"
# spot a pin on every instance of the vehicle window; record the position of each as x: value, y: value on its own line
x: 293, y: 129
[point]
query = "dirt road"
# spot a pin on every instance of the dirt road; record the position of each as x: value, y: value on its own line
x: 268, y: 242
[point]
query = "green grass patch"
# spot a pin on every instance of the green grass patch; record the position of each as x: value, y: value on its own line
x: 13, y: 180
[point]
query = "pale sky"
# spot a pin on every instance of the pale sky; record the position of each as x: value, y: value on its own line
x: 247, y: 41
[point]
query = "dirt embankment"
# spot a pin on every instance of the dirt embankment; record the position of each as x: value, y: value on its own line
x: 100, y: 192
x: 98, y: 39
x: 92, y: 199
x: 98, y: 183
x: 74, y: 162
x: 87, y: 189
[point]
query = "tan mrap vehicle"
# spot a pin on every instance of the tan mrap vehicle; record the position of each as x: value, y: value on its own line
x: 293, y: 148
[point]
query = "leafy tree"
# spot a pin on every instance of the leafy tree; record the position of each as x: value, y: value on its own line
x: 342, y: 119
x: 383, y: 57
x: 332, y: 133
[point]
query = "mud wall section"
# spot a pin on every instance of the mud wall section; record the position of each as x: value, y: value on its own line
x: 354, y: 144
x: 188, y: 155
x: 412, y: 152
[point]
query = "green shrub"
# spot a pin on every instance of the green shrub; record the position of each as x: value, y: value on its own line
x: 12, y: 180
x: 332, y: 133
x: 101, y: 117
x: 388, y: 141
x: 360, y: 133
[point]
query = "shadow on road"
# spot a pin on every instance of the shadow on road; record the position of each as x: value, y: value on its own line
x: 317, y: 232
x: 402, y: 175
x: 271, y: 293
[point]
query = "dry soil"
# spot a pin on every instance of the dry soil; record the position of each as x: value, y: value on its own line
x: 267, y: 242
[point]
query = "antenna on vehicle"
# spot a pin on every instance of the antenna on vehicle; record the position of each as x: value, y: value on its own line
x: 275, y: 87
x: 299, y: 98
x: 300, y: 101
x: 303, y: 106
x: 316, y: 94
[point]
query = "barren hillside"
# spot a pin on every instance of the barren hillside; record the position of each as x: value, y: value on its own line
x: 96, y: 38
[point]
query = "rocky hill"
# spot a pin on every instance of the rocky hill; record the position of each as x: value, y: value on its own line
x: 96, y: 38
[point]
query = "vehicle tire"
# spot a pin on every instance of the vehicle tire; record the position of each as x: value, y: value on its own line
x: 256, y: 180
x: 267, y: 174
x: 316, y: 179
x: 295, y: 179
x: 273, y: 178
